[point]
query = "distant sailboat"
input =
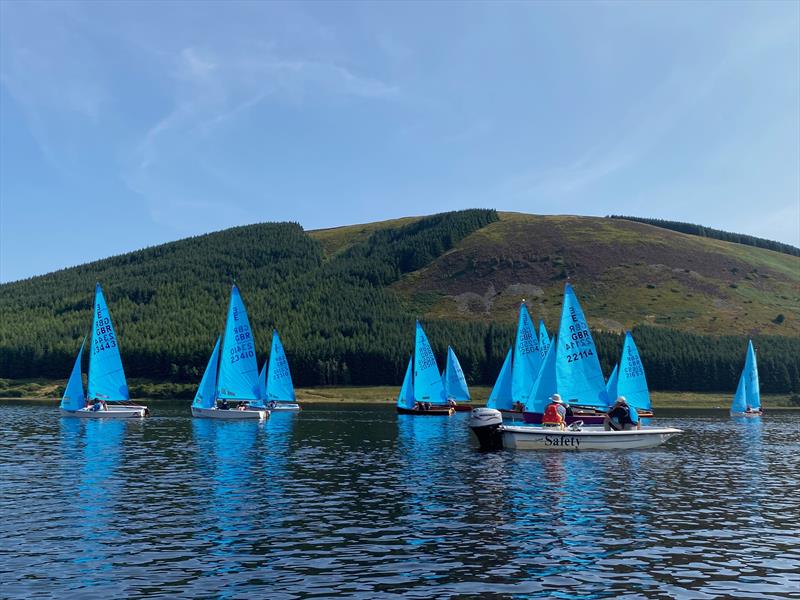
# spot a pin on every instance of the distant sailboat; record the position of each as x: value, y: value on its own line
x: 521, y: 371
x: 278, y: 387
x: 455, y: 384
x: 500, y: 397
x: 631, y: 381
x: 426, y: 387
x: 107, y: 384
x: 747, y: 400
x: 544, y: 339
x: 232, y: 374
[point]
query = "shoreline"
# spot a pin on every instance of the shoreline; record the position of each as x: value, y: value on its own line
x: 48, y: 391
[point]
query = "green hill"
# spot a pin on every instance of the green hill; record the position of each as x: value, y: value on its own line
x: 345, y: 299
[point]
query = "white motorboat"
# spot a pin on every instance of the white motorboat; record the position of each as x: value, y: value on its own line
x: 487, y: 424
x: 231, y: 414
x: 119, y: 411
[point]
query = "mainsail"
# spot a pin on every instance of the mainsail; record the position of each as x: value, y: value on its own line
x: 611, y: 384
x: 106, y: 375
x: 207, y: 390
x: 527, y: 358
x: 544, y: 339
x: 546, y: 384
x: 751, y: 386
x: 455, y: 384
x: 631, y: 381
x: 580, y: 379
x: 279, y: 379
x: 74, y: 398
x: 238, y: 370
x: 406, y: 397
x: 427, y: 379
x: 500, y: 398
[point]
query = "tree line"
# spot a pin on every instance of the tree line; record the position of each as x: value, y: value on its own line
x: 339, y: 321
x: 717, y: 234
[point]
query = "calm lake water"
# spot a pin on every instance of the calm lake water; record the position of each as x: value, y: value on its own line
x: 357, y: 501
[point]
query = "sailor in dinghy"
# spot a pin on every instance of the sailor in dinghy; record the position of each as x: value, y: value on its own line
x: 423, y: 392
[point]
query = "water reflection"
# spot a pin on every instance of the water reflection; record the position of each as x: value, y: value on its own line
x: 359, y: 502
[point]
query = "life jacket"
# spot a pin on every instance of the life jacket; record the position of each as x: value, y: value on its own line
x: 551, y: 415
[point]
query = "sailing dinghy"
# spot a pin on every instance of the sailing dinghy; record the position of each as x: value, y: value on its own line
x: 628, y: 380
x: 231, y: 375
x: 571, y: 368
x: 455, y: 384
x: 512, y: 389
x: 747, y: 400
x: 423, y: 392
x: 275, y: 380
x: 107, y: 384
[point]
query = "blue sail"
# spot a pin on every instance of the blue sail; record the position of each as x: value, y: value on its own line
x: 545, y: 385
x: 544, y: 339
x: 238, y: 370
x: 262, y: 380
x: 455, y: 384
x: 428, y: 385
x: 751, y: 386
x: 527, y: 358
x: 611, y: 384
x: 500, y: 398
x: 106, y: 376
x: 279, y: 379
x: 406, y: 397
x: 580, y: 379
x: 739, y: 404
x: 631, y: 381
x: 207, y: 390
x: 74, y: 398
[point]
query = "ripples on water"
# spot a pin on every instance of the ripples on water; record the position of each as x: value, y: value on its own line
x: 357, y: 501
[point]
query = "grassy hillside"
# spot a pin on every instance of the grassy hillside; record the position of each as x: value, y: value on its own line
x: 626, y: 274
x: 345, y: 299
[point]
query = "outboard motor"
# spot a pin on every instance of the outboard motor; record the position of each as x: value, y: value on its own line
x: 485, y: 423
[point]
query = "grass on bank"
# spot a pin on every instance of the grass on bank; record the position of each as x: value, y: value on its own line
x: 43, y: 389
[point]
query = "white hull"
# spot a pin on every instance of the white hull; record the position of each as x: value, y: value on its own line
x: 230, y: 414
x: 538, y: 438
x: 284, y: 406
x: 113, y: 412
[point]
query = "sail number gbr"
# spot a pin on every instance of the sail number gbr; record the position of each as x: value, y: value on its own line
x: 103, y: 338
x: 576, y: 356
x: 244, y: 347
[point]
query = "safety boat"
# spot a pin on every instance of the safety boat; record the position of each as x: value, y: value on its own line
x: 108, y: 388
x: 492, y: 434
x: 230, y: 386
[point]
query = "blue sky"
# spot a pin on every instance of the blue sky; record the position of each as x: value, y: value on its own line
x: 124, y: 125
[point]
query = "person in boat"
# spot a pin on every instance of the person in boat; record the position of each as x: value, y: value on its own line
x: 451, y: 403
x: 555, y: 414
x: 620, y: 417
x: 222, y: 404
x: 518, y: 406
x: 271, y: 404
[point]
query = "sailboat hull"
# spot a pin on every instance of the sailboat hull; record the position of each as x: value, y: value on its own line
x: 462, y: 408
x: 113, y: 412
x: 230, y: 414
x: 284, y: 407
x: 536, y: 438
x: 434, y: 411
